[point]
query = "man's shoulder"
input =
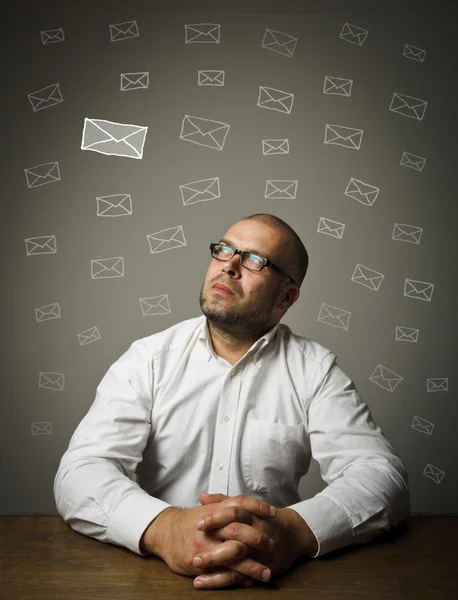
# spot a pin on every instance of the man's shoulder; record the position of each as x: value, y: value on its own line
x: 310, y: 349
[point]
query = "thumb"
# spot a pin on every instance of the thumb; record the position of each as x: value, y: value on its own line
x: 210, y: 498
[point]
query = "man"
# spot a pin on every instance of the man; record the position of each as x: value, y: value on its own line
x: 235, y: 404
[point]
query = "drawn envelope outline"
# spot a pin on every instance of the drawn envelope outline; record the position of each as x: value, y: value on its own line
x: 385, y: 378
x: 414, y: 53
x: 406, y: 334
x: 131, y: 142
x: 204, y: 132
x: 413, y: 161
x: 403, y: 232
x: 202, y: 33
x: 156, y: 305
x: 408, y: 106
x: 50, y: 174
x: 367, y: 277
x: 353, y: 34
x: 340, y: 135
x: 116, y: 205
x: 365, y: 193
x: 172, y: 236
x: 275, y: 146
x: 123, y: 31
x: 107, y: 268
x: 433, y: 473
x: 273, y: 99
x: 281, y: 189
x: 134, y: 81
x: 41, y: 428
x: 422, y: 425
x: 419, y: 290
x: 51, y: 36
x: 51, y: 381
x: 337, y: 86
x: 437, y: 384
x: 330, y: 227
x: 202, y: 190
x: 47, y: 312
x: 279, y: 42
x: 47, y: 243
x: 89, y: 335
x: 46, y: 97
x: 334, y: 316
x: 211, y: 77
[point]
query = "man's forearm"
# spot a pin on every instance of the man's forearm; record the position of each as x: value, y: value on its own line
x: 302, y: 536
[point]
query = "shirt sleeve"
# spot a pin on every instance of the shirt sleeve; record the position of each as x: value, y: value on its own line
x: 367, y: 491
x: 95, y: 487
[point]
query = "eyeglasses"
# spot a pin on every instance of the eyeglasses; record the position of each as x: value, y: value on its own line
x: 250, y: 261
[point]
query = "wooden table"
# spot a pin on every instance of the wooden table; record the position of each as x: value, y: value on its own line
x: 43, y: 558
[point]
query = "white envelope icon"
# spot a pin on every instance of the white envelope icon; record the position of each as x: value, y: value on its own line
x: 134, y: 81
x: 51, y: 381
x: 367, y: 277
x: 43, y: 244
x: 437, y: 384
x: 200, y: 191
x: 339, y: 135
x: 116, y: 205
x: 166, y: 239
x: 118, y: 139
x: 408, y: 106
x: 281, y: 189
x: 422, y: 425
x: 211, y: 78
x: 354, y: 35
x: 41, y: 428
x: 433, y: 473
x: 107, y: 268
x: 407, y: 334
x: 420, y: 290
x: 270, y: 147
x: 413, y: 161
x: 204, y: 132
x: 42, y: 174
x: 157, y: 305
x: 90, y: 335
x: 273, y: 99
x: 279, y: 42
x: 52, y: 36
x: 202, y: 33
x: 334, y: 316
x: 46, y: 97
x: 385, y: 378
x: 414, y: 53
x: 124, y: 31
x: 363, y: 192
x: 329, y: 227
x: 337, y: 86
x: 407, y: 233
x: 47, y: 312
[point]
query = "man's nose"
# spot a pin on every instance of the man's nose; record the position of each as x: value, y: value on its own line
x: 232, y: 266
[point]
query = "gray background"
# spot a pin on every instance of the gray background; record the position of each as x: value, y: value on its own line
x: 87, y: 66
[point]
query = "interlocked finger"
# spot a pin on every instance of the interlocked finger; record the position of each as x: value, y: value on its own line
x: 222, y: 577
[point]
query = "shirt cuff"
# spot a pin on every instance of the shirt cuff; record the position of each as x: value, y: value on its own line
x: 130, y: 519
x: 328, y: 522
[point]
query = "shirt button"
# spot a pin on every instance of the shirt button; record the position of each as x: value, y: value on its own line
x: 226, y: 418
x: 233, y: 372
x: 220, y: 467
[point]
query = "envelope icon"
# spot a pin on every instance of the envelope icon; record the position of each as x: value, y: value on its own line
x: 52, y: 36
x: 166, y: 239
x: 41, y: 428
x: 414, y: 53
x: 43, y: 244
x: 273, y: 99
x: 422, y: 425
x: 329, y: 227
x: 107, y: 268
x: 413, y: 161
x: 157, y: 305
x: 116, y: 205
x: 348, y: 137
x: 334, y: 316
x: 407, y: 334
x: 407, y: 233
x: 279, y: 42
x: 408, y: 106
x: 90, y: 335
x: 200, y: 191
x: 363, y: 192
x: 385, y: 378
x: 134, y: 81
x: 46, y: 97
x: 270, y: 147
x: 124, y: 31
x: 211, y: 78
x: 42, y: 174
x: 118, y: 139
x: 202, y: 33
x: 433, y: 473
x: 51, y: 381
x: 354, y: 35
x: 420, y: 290
x: 204, y: 132
x: 47, y: 312
x: 437, y: 384
x: 281, y: 189
x: 367, y: 277
x: 337, y: 86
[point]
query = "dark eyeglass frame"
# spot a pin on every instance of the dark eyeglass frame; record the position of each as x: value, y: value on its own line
x: 265, y: 261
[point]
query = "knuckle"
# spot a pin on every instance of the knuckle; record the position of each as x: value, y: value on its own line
x: 240, y: 499
x: 233, y: 529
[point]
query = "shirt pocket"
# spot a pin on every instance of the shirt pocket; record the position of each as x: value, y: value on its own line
x: 270, y: 453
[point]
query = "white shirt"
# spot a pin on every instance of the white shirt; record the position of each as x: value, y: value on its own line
x: 172, y: 419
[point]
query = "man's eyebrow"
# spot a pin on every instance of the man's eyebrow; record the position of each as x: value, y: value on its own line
x: 254, y: 250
